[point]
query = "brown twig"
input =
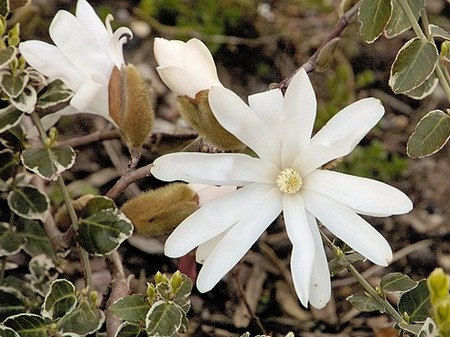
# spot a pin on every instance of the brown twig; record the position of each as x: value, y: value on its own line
x: 128, y: 178
x: 310, y: 64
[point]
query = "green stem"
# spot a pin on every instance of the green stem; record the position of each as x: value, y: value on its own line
x: 388, y: 308
x: 86, y: 266
x: 2, y: 268
x: 412, y: 20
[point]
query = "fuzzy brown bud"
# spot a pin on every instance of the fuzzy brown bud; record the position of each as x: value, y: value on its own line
x: 199, y: 115
x: 160, y: 211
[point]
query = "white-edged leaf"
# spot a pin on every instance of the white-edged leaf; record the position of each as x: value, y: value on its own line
x: 431, y: 134
x: 414, y: 64
x: 9, y: 164
x: 27, y: 325
x: 13, y: 84
x: 373, y: 17
x: 436, y: 31
x: 130, y: 330
x: 399, y: 22
x: 7, y: 55
x: 49, y: 163
x: 102, y: 226
x: 131, y: 308
x: 10, y: 242
x: 82, y: 320
x: 60, y: 300
x: 53, y: 95
x: 397, y: 282
x: 12, y: 302
x: 37, y: 240
x: 26, y: 101
x: 416, y: 302
x: 364, y: 303
x: 28, y: 202
x: 164, y: 319
x: 429, y: 329
x: 9, y: 117
x: 7, y: 332
x: 425, y: 89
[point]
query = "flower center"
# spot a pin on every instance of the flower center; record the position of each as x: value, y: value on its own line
x: 289, y: 181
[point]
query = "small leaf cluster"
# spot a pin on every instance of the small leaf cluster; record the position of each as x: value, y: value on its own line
x: 161, y: 312
x: 418, y: 66
x: 439, y: 285
x: 63, y: 312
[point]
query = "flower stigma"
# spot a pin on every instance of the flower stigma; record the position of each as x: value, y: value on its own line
x: 289, y: 181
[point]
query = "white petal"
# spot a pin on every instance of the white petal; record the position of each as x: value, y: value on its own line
x: 208, y: 193
x: 199, y: 61
x: 180, y: 81
x: 320, y: 286
x: 239, y: 239
x: 233, y: 169
x: 349, y: 227
x: 299, y: 109
x: 205, y: 249
x: 268, y: 106
x: 80, y: 46
x: 364, y: 196
x: 169, y: 53
x: 86, y: 93
x: 354, y: 120
x: 89, y: 19
x: 213, y: 218
x: 244, y: 123
x: 49, y: 60
x: 302, y: 256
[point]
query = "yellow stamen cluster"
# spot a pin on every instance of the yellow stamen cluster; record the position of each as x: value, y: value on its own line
x: 289, y: 181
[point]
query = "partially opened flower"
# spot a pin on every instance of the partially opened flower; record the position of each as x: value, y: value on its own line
x: 286, y: 177
x: 83, y: 57
x: 185, y: 67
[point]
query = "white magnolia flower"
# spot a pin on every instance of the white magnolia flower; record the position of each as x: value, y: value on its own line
x: 84, y: 54
x: 286, y: 177
x: 185, y: 67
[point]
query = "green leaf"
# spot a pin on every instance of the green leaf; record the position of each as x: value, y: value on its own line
x: 37, y: 240
x: 82, y: 320
x: 342, y: 262
x: 27, y: 325
x: 425, y: 89
x: 130, y: 330
x: 9, y: 164
x: 10, y: 242
x: 60, y: 300
x: 373, y: 16
x: 436, y: 31
x: 102, y: 227
x: 364, y: 303
x: 26, y: 101
x: 28, y: 202
x: 9, y: 117
x: 430, y: 135
x: 164, y: 319
x: 414, y: 64
x: 42, y: 271
x: 399, y: 22
x: 397, y: 282
x: 49, y: 163
x: 11, y: 302
x: 132, y: 308
x: 7, y: 332
x: 53, y: 95
x: 416, y: 303
x: 7, y: 55
x: 13, y: 85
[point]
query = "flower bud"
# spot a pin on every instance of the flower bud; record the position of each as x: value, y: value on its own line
x: 158, y: 212
x: 438, y: 285
x: 442, y: 316
x: 176, y: 281
x: 326, y: 55
x: 13, y: 36
x: 199, y: 115
x: 161, y: 278
x: 130, y: 107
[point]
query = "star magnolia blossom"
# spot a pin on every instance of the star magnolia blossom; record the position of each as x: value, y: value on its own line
x: 83, y: 57
x: 286, y: 177
x: 185, y: 67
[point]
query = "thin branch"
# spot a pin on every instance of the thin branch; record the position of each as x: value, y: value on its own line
x: 128, y: 178
x: 338, y: 29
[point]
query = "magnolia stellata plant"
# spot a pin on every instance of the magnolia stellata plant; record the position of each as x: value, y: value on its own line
x: 275, y: 165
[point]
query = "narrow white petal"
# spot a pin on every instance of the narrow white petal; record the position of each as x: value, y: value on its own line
x: 349, y: 227
x: 299, y: 109
x: 199, y: 61
x: 364, y: 196
x: 302, y: 256
x: 239, y: 239
x: 69, y: 34
x: 89, y: 19
x: 268, y: 106
x: 244, y: 123
x: 49, y: 60
x: 205, y: 249
x: 86, y: 93
x: 233, y: 169
x: 208, y: 193
x: 320, y: 286
x: 181, y: 82
x: 213, y: 218
x: 351, y: 123
x: 169, y: 53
